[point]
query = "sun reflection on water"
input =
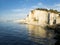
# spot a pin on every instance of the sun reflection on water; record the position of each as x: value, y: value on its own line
x: 40, y: 35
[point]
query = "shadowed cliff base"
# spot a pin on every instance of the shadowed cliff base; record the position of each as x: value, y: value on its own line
x: 56, y: 29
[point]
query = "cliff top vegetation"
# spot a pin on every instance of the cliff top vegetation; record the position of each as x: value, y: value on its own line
x: 50, y: 10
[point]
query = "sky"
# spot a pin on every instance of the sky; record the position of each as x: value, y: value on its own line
x: 19, y: 9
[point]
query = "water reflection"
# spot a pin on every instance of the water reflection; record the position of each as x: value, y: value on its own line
x: 40, y: 35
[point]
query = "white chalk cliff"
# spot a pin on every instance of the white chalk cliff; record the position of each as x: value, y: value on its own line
x: 43, y: 17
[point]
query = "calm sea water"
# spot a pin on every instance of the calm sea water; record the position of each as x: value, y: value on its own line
x: 23, y: 34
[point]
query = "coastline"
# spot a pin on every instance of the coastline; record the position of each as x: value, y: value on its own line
x: 55, y: 26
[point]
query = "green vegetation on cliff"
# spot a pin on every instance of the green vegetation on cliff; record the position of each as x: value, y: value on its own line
x: 51, y: 10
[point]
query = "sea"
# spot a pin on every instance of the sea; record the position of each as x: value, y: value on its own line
x: 24, y: 34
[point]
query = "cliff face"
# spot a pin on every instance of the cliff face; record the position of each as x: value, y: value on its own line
x: 52, y: 18
x: 42, y: 18
x: 58, y: 20
x: 37, y: 17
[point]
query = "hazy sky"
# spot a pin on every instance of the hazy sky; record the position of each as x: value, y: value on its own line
x: 17, y: 9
